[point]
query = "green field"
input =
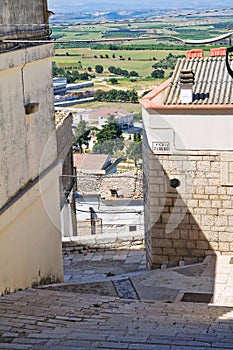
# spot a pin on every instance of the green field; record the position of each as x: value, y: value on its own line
x: 136, y: 56
x: 185, y: 28
x: 140, y: 61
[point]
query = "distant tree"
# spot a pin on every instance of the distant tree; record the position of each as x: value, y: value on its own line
x: 81, y: 135
x: 113, y: 81
x: 109, y: 138
x: 134, y: 151
x: 83, y: 76
x: 117, y: 95
x: 158, y: 73
x: 133, y: 73
x: 137, y: 137
x: 129, y: 58
x: 99, y: 69
x: 89, y: 69
x: 95, y: 56
x: 106, y: 56
x: 113, y: 55
x: 54, y: 69
x: 111, y: 69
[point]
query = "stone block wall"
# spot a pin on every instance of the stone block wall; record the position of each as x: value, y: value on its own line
x: 195, y: 219
x: 24, y: 19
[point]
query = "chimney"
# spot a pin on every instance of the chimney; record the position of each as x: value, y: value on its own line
x: 195, y: 53
x: 186, y: 86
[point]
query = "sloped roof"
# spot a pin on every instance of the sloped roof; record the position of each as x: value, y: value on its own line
x: 106, y: 112
x: 90, y: 162
x: 213, y: 86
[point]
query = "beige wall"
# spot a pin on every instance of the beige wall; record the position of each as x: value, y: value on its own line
x: 195, y: 219
x: 25, y: 77
x: 30, y: 239
x: 23, y: 11
x: 15, y: 14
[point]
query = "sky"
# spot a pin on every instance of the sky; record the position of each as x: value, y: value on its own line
x: 101, y: 5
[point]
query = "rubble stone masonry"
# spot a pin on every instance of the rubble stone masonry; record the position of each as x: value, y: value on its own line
x: 195, y: 219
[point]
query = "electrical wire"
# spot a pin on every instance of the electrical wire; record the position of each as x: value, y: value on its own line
x: 111, y: 212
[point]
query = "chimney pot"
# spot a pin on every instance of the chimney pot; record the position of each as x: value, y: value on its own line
x: 186, y: 86
x: 194, y: 53
x: 220, y: 51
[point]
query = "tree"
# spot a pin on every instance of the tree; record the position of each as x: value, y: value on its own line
x: 113, y: 81
x: 133, y: 74
x: 81, y: 134
x: 137, y: 137
x: 117, y: 95
x: 158, y: 73
x: 99, y: 69
x: 109, y: 138
x: 134, y: 151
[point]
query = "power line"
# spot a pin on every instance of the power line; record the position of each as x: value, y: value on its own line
x: 112, y: 212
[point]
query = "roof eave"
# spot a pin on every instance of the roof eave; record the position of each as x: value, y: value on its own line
x: 145, y: 100
x: 148, y: 105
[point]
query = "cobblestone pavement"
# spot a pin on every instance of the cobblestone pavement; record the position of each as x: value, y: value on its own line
x: 120, y: 307
x: 55, y: 320
x: 92, y: 267
x: 116, y: 272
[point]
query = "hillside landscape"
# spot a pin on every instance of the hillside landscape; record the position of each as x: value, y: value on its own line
x: 96, y: 5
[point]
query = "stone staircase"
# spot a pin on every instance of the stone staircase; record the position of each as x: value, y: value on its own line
x: 46, y: 319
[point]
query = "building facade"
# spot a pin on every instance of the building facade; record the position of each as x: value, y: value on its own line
x: 30, y: 239
x: 68, y: 178
x: 188, y: 154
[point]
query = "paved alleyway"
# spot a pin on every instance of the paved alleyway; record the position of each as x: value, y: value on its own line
x: 110, y: 302
x: 45, y: 319
x: 98, y: 266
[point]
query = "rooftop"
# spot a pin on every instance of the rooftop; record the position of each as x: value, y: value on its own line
x: 212, y: 88
x: 87, y: 162
x: 213, y: 84
x: 108, y: 112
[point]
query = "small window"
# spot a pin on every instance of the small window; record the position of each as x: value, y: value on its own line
x: 132, y: 228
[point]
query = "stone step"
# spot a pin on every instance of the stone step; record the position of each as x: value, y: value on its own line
x: 39, y: 319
